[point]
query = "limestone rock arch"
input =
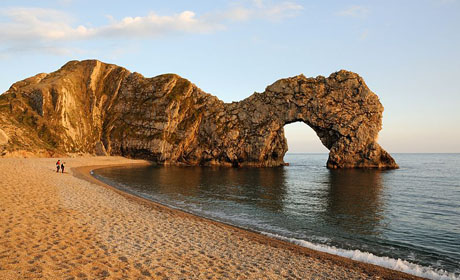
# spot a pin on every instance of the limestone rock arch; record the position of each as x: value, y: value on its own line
x: 98, y: 108
x: 341, y: 109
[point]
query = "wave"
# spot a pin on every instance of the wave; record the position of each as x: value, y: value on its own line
x: 394, y: 264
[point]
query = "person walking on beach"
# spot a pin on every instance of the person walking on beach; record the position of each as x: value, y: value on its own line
x: 62, y: 167
x: 58, y: 165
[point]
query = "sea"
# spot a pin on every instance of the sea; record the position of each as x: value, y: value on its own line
x: 406, y: 219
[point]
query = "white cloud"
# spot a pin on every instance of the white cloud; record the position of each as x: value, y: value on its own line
x: 28, y: 24
x: 238, y: 14
x: 283, y: 10
x: 64, y: 2
x: 355, y: 11
x: 260, y: 9
x: 154, y: 25
x: 51, y: 25
x: 22, y: 28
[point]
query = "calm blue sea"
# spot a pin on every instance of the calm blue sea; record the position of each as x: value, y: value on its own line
x: 406, y: 219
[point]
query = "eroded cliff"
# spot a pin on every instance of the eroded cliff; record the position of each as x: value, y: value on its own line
x: 97, y: 108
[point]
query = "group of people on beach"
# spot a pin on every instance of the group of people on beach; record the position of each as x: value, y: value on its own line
x: 59, y: 165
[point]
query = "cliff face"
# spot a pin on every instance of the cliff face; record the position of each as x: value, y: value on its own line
x: 97, y: 108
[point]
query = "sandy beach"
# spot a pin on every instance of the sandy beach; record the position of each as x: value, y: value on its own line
x: 70, y: 226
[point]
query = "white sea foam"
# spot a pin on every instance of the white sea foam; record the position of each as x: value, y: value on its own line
x: 395, y: 264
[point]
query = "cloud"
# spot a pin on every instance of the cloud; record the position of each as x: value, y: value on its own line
x: 154, y: 25
x: 22, y: 28
x: 282, y: 10
x: 64, y: 2
x: 28, y: 24
x: 262, y: 10
x: 355, y: 11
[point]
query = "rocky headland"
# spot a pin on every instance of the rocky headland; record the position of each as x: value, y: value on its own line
x: 90, y: 107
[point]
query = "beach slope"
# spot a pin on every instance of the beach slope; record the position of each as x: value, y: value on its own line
x: 68, y: 226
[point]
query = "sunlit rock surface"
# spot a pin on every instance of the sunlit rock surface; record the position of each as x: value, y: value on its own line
x: 90, y: 107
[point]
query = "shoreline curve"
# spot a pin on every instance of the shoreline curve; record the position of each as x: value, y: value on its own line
x: 373, y: 271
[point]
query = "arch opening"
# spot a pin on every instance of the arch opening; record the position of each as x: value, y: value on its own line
x: 301, y: 138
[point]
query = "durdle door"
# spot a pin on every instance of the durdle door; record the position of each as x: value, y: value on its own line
x: 98, y: 108
x: 341, y: 109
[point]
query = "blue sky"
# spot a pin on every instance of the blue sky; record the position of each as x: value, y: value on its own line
x: 408, y: 52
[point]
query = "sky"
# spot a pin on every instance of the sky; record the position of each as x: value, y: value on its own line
x: 408, y: 52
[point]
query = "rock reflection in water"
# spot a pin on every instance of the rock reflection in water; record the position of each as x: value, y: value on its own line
x: 264, y: 187
x: 346, y: 200
x: 354, y: 201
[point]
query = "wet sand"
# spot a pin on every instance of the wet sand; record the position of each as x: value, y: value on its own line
x: 71, y: 226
